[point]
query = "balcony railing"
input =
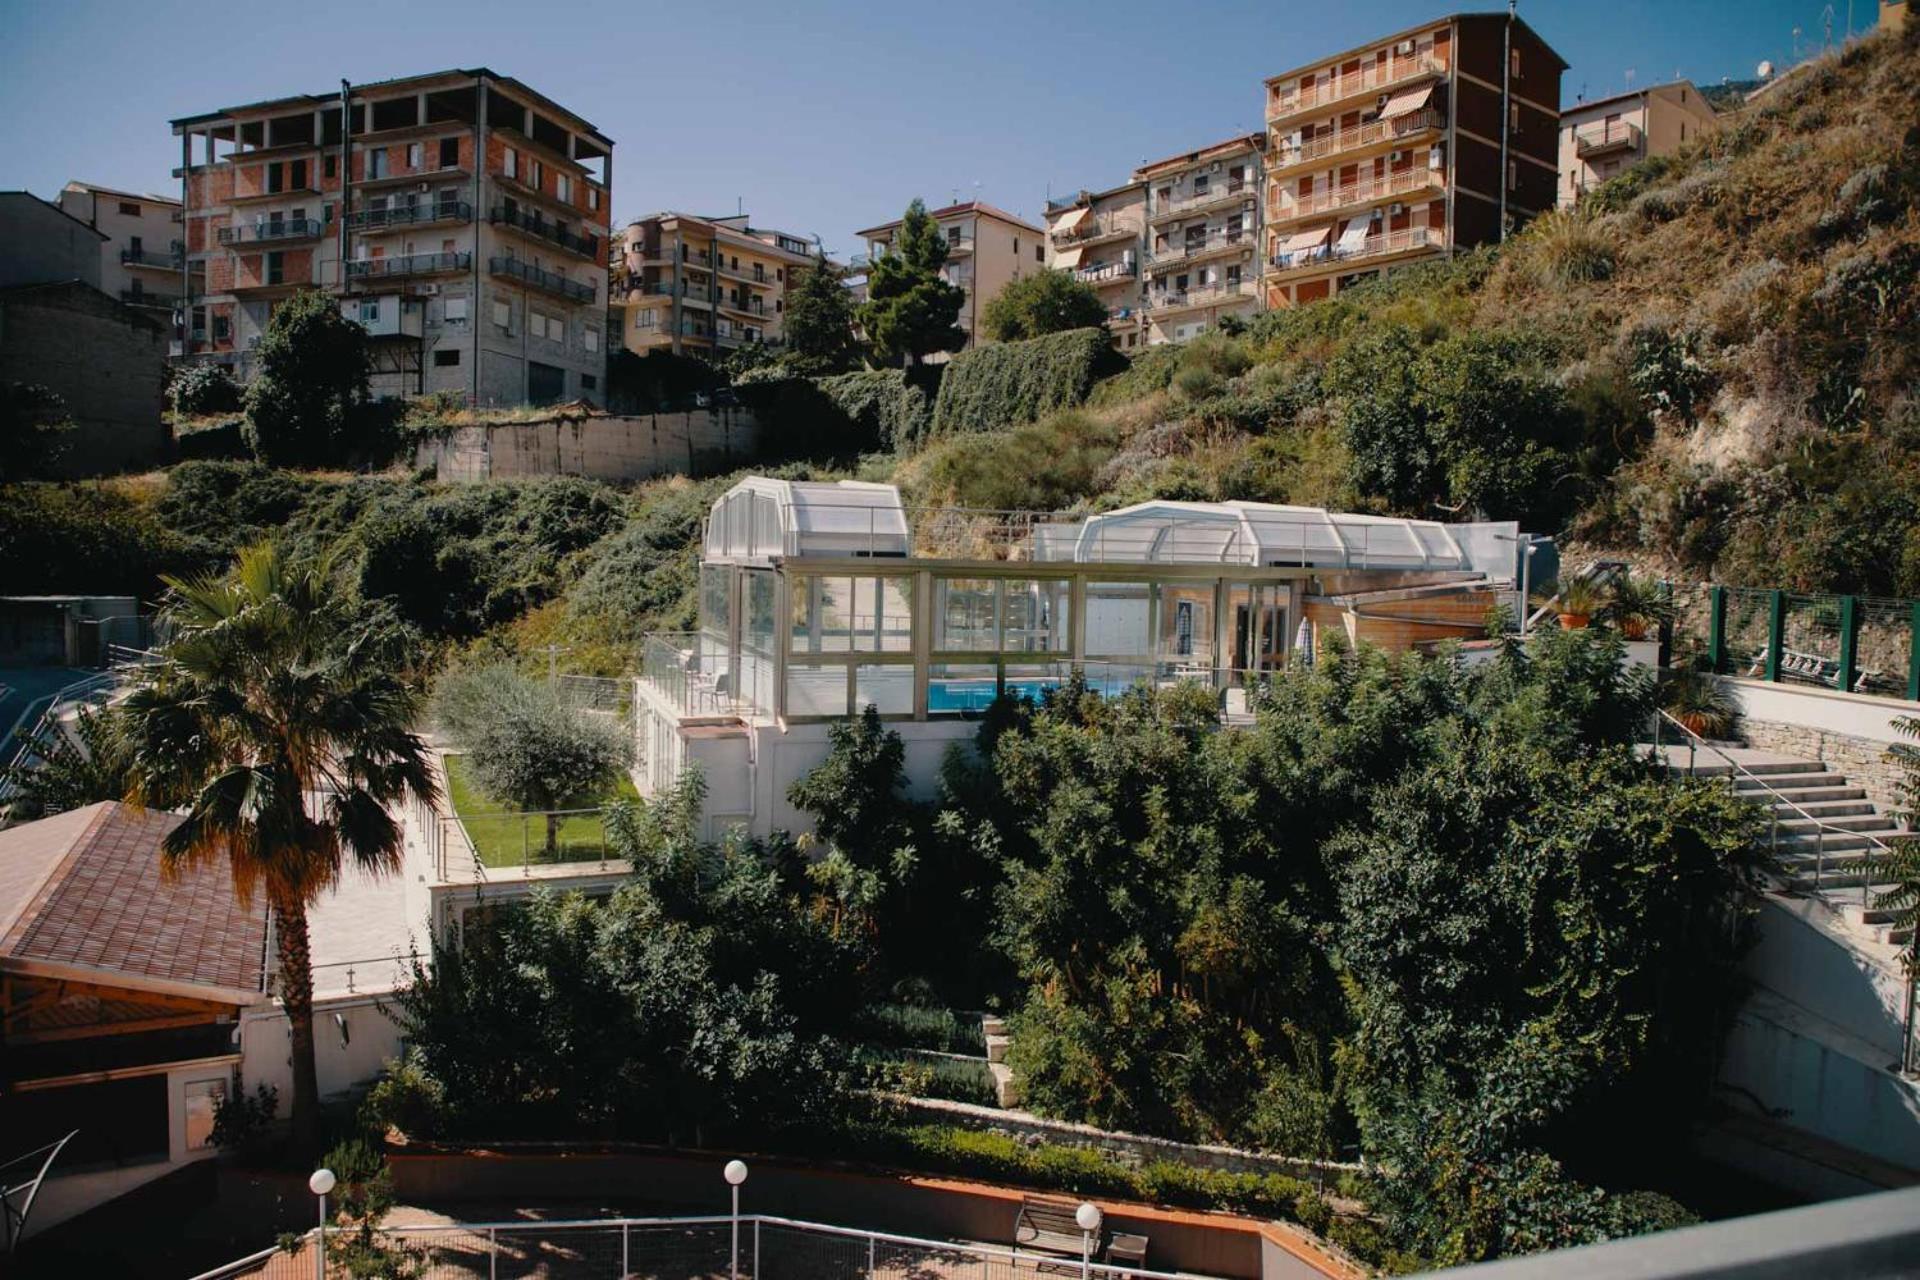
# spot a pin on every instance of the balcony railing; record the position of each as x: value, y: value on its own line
x: 271, y: 231
x: 527, y: 273
x: 1107, y: 272
x: 1092, y: 231
x: 1356, y: 193
x: 1373, y: 246
x: 1195, y: 247
x: 544, y: 228
x: 1375, y: 78
x: 1605, y: 137
x: 410, y: 215
x: 1354, y: 137
x: 147, y: 298
x: 1226, y: 191
x: 410, y: 264
x: 172, y: 261
x: 1229, y: 291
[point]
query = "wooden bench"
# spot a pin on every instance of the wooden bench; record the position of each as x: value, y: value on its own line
x: 1048, y: 1226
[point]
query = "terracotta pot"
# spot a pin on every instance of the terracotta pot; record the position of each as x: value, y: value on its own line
x: 1693, y: 722
x: 1633, y: 629
x: 1574, y: 621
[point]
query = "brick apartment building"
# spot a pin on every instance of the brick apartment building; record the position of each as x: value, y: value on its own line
x: 461, y: 216
x: 1203, y: 238
x: 702, y: 286
x: 1436, y: 138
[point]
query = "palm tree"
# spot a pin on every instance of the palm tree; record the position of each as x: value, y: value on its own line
x: 279, y: 723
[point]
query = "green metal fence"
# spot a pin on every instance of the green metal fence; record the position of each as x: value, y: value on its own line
x: 1856, y: 644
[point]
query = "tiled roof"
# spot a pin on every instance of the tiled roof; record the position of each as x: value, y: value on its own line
x: 90, y: 894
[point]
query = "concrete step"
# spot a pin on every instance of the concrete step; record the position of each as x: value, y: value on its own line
x: 1005, y: 1088
x: 1804, y: 876
x: 1867, y: 821
x: 1829, y: 843
x: 1829, y: 809
x: 1787, y: 781
x: 1802, y: 795
x: 997, y: 1048
x: 993, y: 1025
x: 1708, y: 765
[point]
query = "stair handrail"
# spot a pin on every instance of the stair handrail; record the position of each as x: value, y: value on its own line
x: 1820, y: 827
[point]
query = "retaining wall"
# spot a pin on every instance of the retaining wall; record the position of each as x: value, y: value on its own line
x: 697, y: 442
x: 1850, y: 731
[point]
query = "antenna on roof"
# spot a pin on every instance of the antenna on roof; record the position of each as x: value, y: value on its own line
x: 739, y: 206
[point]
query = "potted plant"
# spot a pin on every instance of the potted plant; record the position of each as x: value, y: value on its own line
x: 1577, y: 601
x: 1700, y: 704
x: 1638, y: 607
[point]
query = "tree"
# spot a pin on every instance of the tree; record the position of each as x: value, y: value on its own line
x: 819, y: 328
x: 57, y: 771
x: 857, y: 799
x: 1901, y: 874
x: 307, y: 405
x: 911, y: 311
x: 34, y: 429
x: 277, y: 724
x: 527, y: 745
x: 1043, y: 303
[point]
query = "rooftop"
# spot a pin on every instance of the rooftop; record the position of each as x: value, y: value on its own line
x: 979, y: 207
x: 1416, y: 29
x: 1231, y: 146
x: 1629, y: 94
x: 82, y: 895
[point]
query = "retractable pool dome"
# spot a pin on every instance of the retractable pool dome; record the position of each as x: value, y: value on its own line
x: 760, y: 519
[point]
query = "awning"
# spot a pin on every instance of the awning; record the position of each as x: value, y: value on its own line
x: 1356, y: 233
x: 1068, y: 259
x: 1070, y: 219
x: 1406, y: 102
x: 1300, y: 240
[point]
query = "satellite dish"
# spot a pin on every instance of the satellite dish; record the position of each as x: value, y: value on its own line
x: 1766, y: 70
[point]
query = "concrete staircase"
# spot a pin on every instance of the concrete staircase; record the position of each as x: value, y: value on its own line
x: 1823, y: 830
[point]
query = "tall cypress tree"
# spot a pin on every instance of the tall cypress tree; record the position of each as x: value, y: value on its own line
x: 911, y: 312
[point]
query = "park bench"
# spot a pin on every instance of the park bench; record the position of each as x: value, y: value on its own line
x: 1048, y: 1226
x: 1814, y: 669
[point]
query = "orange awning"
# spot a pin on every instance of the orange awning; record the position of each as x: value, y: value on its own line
x: 1069, y: 220
x: 1068, y: 259
x: 1305, y: 240
x: 1406, y: 102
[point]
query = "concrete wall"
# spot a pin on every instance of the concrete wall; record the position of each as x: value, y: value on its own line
x: 39, y: 243
x: 267, y: 1046
x: 1850, y: 731
x: 107, y: 361
x: 606, y: 448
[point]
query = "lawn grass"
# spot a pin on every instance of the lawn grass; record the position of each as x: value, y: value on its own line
x: 514, y: 840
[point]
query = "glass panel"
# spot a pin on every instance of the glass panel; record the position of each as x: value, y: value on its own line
x: 889, y: 688
x: 964, y: 613
x: 895, y: 624
x: 1119, y: 619
x: 816, y: 689
x: 852, y: 615
x: 960, y: 688
x: 1031, y: 680
x: 757, y: 633
x: 1038, y: 616
x: 1186, y: 623
x: 716, y: 598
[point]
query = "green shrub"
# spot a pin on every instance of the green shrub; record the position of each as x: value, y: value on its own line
x: 407, y: 1098
x: 1564, y: 248
x: 927, y: 1075
x: 996, y: 471
x: 1003, y: 384
x: 308, y: 405
x: 891, y: 407
x: 223, y: 441
x: 911, y: 1026
x: 202, y: 389
x: 244, y: 1123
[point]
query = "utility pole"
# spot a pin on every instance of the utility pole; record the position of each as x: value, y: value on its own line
x: 346, y: 172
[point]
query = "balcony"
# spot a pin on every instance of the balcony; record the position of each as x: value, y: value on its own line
x: 537, y: 278
x: 1319, y: 258
x: 411, y: 215
x: 1213, y: 197
x: 1608, y: 137
x: 959, y: 245
x: 1284, y: 104
x: 410, y: 264
x: 1107, y: 273
x: 1210, y: 296
x: 172, y: 261
x: 1359, y: 137
x: 1355, y: 194
x: 748, y: 307
x: 747, y: 273
x: 1094, y: 231
x: 272, y: 231
x: 287, y: 191
x: 147, y: 298
x: 545, y: 229
x: 1198, y: 248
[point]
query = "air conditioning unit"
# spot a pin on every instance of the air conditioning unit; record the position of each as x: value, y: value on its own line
x: 421, y: 187
x: 1215, y: 168
x: 1436, y: 159
x: 428, y: 290
x: 1380, y: 103
x: 1396, y: 157
x: 1404, y: 48
x: 1395, y: 209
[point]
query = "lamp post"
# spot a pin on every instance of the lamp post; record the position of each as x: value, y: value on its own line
x: 320, y: 1184
x: 1088, y: 1216
x: 735, y: 1173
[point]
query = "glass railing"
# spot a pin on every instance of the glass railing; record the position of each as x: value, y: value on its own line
x: 148, y: 258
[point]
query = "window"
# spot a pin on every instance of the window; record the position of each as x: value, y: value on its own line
x: 276, y: 267
x: 563, y: 186
x: 1016, y: 246
x: 377, y: 163
x: 1513, y: 64
x: 510, y: 163
x: 133, y: 244
x: 537, y: 176
x: 590, y: 338
x: 129, y: 208
x: 536, y: 323
x: 446, y: 359
x: 222, y: 328
x: 588, y: 382
x: 202, y: 1098
x: 413, y: 155
x: 851, y: 615
x: 330, y: 166
x: 454, y: 309
x: 503, y: 316
x: 1038, y: 256
x: 1200, y: 184
x: 593, y: 197
x: 370, y: 311
x: 1513, y: 116
x: 449, y: 153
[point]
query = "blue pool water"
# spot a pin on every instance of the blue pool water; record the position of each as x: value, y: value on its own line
x: 977, y: 695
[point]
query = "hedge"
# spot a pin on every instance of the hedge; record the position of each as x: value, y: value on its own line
x: 1003, y: 384
x: 893, y: 407
x: 918, y: 1027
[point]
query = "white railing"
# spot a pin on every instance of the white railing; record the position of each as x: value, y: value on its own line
x: 689, y: 1248
x: 1295, y: 205
x: 1353, y: 137
x: 1379, y: 76
x: 1228, y: 292
x: 1372, y: 247
x: 1228, y: 190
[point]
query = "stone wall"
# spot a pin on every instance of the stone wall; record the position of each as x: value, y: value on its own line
x: 105, y: 360
x: 1134, y: 1148
x: 1863, y: 760
x: 698, y: 442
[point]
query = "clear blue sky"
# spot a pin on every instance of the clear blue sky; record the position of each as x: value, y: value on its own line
x: 822, y: 117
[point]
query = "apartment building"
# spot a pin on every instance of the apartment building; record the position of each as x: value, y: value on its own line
x: 1203, y: 238
x: 1100, y: 236
x: 1601, y: 139
x: 702, y: 286
x: 1440, y: 137
x: 987, y: 249
x: 461, y: 216
x: 142, y: 253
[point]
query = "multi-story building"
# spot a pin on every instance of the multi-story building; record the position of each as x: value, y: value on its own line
x: 1203, y: 237
x: 460, y: 216
x: 1600, y: 139
x: 702, y: 285
x: 987, y: 249
x: 141, y: 257
x: 1100, y: 236
x: 1436, y: 138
